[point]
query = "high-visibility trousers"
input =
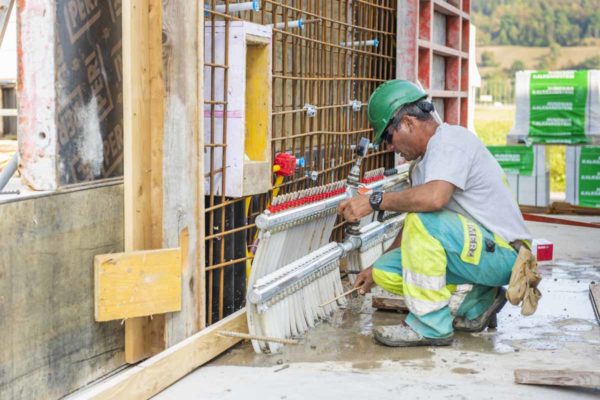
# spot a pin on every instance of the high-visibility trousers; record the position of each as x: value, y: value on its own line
x: 447, y: 265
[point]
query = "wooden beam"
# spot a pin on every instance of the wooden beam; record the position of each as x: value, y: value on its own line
x: 182, y: 152
x: 595, y: 299
x: 392, y: 303
x: 142, y: 110
x: 560, y: 377
x: 7, y: 112
x: 141, y: 283
x: 159, y: 372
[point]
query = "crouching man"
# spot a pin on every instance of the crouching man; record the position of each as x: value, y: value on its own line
x: 463, y: 228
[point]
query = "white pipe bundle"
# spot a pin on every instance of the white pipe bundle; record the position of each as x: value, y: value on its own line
x: 292, y: 234
x: 287, y: 303
x: 520, y: 130
x: 376, y: 238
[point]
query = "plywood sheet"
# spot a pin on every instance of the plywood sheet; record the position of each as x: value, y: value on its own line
x: 51, y: 344
x: 137, y: 284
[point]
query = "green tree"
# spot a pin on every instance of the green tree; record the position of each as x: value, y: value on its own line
x: 488, y: 59
x: 536, y: 22
x: 589, y: 63
x: 517, y: 65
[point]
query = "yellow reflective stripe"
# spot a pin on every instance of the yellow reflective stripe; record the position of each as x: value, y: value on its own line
x: 420, y: 293
x: 473, y: 239
x: 421, y: 252
x: 388, y: 281
x: 501, y: 242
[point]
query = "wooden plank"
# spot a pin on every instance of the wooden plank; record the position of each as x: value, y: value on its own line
x: 389, y: 303
x: 200, y: 220
x: 182, y: 154
x: 142, y: 68
x: 141, y: 283
x: 51, y: 343
x: 559, y: 207
x: 595, y: 299
x: 7, y: 112
x: 560, y: 377
x: 159, y: 372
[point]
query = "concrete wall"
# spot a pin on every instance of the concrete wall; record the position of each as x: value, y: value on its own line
x: 51, y: 344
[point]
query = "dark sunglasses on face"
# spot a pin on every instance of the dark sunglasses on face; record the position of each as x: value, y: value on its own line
x: 387, y: 136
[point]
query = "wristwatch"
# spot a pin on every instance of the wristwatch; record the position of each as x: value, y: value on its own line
x: 375, y: 200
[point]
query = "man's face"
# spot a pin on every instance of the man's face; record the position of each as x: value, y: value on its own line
x: 403, y: 139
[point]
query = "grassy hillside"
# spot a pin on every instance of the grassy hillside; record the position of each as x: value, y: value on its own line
x: 536, y: 22
x: 505, y: 56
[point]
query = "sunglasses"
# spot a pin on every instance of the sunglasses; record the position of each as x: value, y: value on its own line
x: 387, y: 136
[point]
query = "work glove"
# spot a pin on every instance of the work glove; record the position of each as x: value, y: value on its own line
x: 524, y: 280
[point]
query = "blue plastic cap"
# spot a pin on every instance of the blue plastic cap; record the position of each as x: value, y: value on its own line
x: 256, y: 5
x: 300, y: 162
x: 376, y: 43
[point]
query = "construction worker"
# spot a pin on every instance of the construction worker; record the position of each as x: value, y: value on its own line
x: 463, y: 228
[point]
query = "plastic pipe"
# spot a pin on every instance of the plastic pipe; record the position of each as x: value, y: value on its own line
x: 373, y: 42
x: 239, y: 7
x: 9, y: 170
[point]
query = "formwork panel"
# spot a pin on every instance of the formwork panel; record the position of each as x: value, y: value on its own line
x: 443, y: 33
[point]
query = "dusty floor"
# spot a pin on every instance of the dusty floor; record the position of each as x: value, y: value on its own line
x: 340, y: 359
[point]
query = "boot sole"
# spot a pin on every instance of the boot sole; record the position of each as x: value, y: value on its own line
x: 424, y: 342
x: 491, y: 320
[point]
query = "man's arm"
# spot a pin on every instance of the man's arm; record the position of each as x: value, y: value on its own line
x: 431, y: 196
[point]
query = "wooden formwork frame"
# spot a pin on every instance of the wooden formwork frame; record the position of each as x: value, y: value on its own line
x: 162, y: 142
x: 163, y: 369
x: 433, y: 47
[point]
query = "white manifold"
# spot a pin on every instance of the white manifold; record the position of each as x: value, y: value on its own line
x: 296, y: 269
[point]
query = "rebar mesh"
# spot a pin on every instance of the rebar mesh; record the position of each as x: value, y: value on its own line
x: 331, y: 63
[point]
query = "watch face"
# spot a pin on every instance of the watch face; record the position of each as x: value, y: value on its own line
x: 375, y: 200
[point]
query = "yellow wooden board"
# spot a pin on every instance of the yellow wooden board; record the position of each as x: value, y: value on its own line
x: 148, y: 378
x: 136, y: 284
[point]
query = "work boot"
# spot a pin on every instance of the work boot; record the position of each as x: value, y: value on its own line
x: 403, y: 336
x: 487, y: 319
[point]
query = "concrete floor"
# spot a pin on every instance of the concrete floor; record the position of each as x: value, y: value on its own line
x: 340, y: 359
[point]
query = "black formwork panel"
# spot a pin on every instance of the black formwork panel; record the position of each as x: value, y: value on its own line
x: 89, y: 89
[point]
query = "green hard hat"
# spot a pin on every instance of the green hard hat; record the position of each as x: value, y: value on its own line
x: 386, y: 99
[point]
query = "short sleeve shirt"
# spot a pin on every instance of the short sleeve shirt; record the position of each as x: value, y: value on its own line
x: 456, y: 155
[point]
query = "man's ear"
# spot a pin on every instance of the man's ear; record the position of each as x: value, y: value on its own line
x: 410, y: 121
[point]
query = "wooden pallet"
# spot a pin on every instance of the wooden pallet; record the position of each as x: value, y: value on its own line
x: 561, y: 207
x: 383, y: 300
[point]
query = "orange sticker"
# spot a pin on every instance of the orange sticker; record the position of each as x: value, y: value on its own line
x: 364, y: 190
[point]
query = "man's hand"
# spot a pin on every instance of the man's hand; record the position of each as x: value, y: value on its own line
x: 364, y: 281
x: 355, y: 208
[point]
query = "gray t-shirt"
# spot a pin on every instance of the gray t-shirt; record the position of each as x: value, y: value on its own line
x: 456, y: 155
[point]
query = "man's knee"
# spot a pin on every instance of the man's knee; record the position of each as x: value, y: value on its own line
x: 389, y: 281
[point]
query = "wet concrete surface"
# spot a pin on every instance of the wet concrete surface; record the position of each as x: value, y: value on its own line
x: 340, y: 359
